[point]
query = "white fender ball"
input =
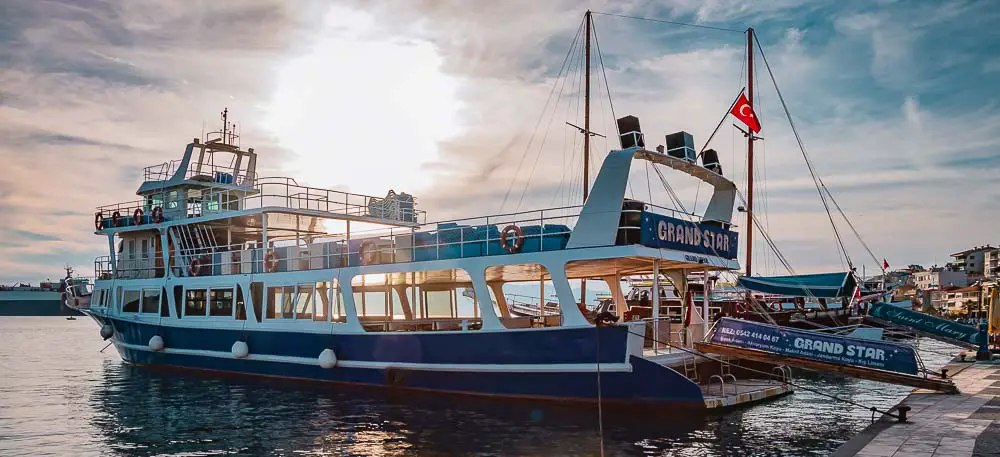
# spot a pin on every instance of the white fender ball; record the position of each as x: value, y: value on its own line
x: 240, y: 350
x: 107, y: 331
x: 156, y: 343
x: 327, y: 359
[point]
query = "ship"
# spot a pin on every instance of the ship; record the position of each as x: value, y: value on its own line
x: 48, y: 298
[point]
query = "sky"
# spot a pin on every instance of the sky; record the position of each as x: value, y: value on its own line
x: 465, y: 108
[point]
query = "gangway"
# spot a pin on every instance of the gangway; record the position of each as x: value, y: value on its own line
x: 880, y: 361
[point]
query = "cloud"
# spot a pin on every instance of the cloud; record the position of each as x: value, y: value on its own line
x: 900, y: 123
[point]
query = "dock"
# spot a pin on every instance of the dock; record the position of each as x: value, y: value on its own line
x: 961, y: 425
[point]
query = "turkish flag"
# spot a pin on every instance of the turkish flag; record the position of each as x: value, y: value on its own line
x: 885, y: 264
x: 744, y: 112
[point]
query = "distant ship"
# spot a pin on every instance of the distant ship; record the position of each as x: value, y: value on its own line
x: 46, y: 299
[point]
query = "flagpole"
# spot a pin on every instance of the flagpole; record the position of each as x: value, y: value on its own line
x: 749, y: 153
x: 586, y: 143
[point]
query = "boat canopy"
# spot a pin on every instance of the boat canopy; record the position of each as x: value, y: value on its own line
x: 821, y: 285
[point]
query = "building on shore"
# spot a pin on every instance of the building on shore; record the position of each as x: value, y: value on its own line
x: 991, y: 263
x: 936, y: 278
x: 970, y: 261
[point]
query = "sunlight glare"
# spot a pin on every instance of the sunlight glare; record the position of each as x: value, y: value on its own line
x: 361, y: 110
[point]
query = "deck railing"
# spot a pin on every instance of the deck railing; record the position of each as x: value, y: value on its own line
x: 266, y: 192
x: 534, y: 231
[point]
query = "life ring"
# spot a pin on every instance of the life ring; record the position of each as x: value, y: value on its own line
x: 157, y: 215
x: 195, y: 267
x: 116, y: 219
x: 271, y: 262
x: 518, y: 241
x: 775, y: 306
x: 99, y: 220
x: 137, y: 216
x: 367, y: 253
x: 741, y: 308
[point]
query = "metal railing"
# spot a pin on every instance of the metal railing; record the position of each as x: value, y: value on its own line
x: 270, y: 191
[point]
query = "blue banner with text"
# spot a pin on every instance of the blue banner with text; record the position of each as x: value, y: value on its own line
x: 816, y: 346
x: 660, y: 231
x: 967, y: 335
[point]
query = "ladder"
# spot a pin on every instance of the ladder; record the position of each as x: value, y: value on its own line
x: 691, y: 368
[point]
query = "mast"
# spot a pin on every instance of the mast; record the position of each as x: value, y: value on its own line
x: 750, y: 139
x: 586, y: 137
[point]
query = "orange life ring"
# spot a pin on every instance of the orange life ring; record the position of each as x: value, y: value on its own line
x: 367, y: 253
x: 195, y: 267
x: 99, y: 220
x: 271, y: 262
x: 157, y: 215
x: 137, y: 216
x: 518, y: 241
x: 116, y: 219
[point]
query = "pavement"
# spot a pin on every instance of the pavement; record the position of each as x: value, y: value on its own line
x: 940, y: 425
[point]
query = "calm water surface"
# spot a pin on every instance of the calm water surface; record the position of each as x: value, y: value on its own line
x: 60, y: 396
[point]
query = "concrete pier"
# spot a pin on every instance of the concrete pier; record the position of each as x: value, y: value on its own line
x: 940, y: 425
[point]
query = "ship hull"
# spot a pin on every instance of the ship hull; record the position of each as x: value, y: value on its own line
x: 555, y: 364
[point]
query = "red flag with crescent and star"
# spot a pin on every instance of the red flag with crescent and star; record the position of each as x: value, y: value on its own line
x: 744, y: 112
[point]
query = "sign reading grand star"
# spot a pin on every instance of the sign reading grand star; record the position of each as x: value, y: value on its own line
x: 744, y: 112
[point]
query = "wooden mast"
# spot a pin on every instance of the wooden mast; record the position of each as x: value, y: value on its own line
x: 586, y: 137
x: 750, y: 139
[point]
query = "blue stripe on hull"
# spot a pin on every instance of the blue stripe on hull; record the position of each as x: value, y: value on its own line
x: 647, y: 382
x: 557, y: 345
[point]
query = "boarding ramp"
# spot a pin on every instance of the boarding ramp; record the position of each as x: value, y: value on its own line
x: 925, y: 325
x: 863, y: 358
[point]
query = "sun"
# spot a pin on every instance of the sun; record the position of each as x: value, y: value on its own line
x: 361, y: 110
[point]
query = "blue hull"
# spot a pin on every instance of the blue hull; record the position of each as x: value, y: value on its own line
x: 522, y: 364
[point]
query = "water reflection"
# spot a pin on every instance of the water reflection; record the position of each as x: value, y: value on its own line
x: 64, y: 397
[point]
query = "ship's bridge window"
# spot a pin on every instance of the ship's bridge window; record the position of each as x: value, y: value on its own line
x: 194, y: 302
x: 131, y: 303
x: 151, y: 301
x: 221, y: 302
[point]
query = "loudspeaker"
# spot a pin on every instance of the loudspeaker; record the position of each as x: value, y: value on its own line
x: 630, y: 133
x: 710, y: 160
x: 681, y: 146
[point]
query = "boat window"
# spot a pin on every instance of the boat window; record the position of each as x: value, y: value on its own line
x: 528, y: 293
x: 465, y: 304
x: 221, y: 302
x: 438, y: 303
x: 281, y: 302
x: 178, y: 298
x: 118, y: 297
x: 257, y: 295
x: 172, y: 200
x: 329, y: 298
x: 304, y: 301
x: 164, y: 309
x: 241, y: 307
x: 151, y: 301
x: 131, y: 304
x: 194, y: 303
x: 145, y: 249
x: 288, y: 302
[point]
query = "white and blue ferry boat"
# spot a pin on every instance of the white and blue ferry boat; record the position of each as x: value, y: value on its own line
x: 215, y: 268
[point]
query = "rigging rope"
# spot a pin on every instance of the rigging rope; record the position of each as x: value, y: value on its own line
x: 812, y: 171
x: 527, y: 148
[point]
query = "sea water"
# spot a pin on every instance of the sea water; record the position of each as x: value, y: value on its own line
x: 60, y: 395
